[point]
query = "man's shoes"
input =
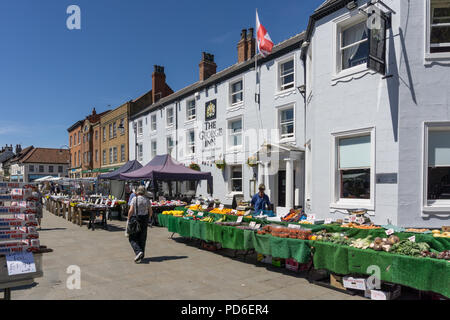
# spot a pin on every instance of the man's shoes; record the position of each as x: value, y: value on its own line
x: 139, y: 257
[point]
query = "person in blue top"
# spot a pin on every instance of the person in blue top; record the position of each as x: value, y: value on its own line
x: 260, y: 201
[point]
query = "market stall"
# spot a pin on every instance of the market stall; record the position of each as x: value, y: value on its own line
x: 116, y: 184
x: 418, y: 259
x: 20, y: 249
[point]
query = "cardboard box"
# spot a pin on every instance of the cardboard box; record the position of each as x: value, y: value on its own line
x: 391, y: 293
x: 355, y: 283
x: 337, y: 282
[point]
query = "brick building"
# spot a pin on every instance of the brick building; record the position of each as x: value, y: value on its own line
x: 75, y: 149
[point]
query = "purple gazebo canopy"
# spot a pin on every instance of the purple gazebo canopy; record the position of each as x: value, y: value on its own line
x: 164, y: 168
x: 130, y: 166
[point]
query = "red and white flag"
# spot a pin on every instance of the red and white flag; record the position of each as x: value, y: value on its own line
x: 265, y: 44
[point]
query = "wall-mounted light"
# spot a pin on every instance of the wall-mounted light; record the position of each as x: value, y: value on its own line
x: 352, y: 5
x: 302, y: 90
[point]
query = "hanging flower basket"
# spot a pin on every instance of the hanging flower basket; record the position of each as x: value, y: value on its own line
x: 220, y: 164
x: 252, y: 162
x: 194, y: 166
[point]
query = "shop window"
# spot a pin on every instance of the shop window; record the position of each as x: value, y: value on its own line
x: 190, y: 110
x: 236, y: 92
x: 235, y: 133
x: 354, y: 45
x: 236, y: 178
x: 286, y: 75
x: 439, y: 26
x: 190, y: 142
x: 286, y: 123
x: 438, y: 163
x: 354, y: 167
x: 153, y: 122
x: 170, y: 117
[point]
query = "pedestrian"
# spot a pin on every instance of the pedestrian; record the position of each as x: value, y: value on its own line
x: 142, y: 209
x: 38, y: 196
x: 260, y: 200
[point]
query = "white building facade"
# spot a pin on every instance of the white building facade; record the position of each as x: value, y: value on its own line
x: 379, y: 141
x: 256, y: 128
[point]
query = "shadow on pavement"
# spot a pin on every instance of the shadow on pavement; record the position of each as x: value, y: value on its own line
x: 51, y: 229
x: 162, y: 259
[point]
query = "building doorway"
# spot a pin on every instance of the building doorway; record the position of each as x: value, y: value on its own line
x: 282, y: 188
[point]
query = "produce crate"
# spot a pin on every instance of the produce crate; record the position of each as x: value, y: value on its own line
x: 355, y: 283
x: 337, y: 282
x: 387, y: 292
x: 279, y: 263
x: 292, y: 265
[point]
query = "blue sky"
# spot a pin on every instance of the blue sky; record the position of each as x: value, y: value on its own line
x: 50, y: 76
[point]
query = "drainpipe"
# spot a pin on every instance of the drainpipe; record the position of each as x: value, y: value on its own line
x: 303, y: 48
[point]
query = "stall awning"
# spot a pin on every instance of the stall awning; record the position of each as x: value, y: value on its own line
x: 164, y: 168
x: 130, y: 166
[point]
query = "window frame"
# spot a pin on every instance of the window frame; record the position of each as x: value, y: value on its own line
x: 169, y: 149
x: 153, y: 152
x: 172, y: 117
x: 140, y: 151
x: 122, y: 153
x: 190, y: 144
x: 231, y: 179
x: 151, y: 122
x: 230, y: 134
x: 104, y: 158
x: 190, y: 117
x: 433, y: 206
x: 278, y: 124
x: 336, y: 202
x: 231, y: 93
x: 278, y: 74
x: 428, y: 54
x: 140, y: 127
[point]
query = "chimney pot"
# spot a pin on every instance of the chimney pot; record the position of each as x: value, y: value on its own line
x: 207, y: 66
x: 159, y: 87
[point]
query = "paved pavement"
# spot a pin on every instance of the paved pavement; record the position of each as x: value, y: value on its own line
x: 176, y: 269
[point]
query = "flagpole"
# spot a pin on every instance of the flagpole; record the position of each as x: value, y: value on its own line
x: 257, y: 92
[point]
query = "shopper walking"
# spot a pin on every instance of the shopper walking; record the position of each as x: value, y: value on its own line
x: 142, y: 210
x: 38, y: 196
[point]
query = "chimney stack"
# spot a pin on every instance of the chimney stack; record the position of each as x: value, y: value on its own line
x: 94, y: 112
x: 243, y: 47
x: 18, y: 148
x: 207, y: 66
x: 158, y: 83
x: 251, y: 43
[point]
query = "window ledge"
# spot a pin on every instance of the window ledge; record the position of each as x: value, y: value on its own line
x: 285, y: 93
x: 436, y: 57
x: 353, y: 205
x: 190, y: 122
x: 436, y: 209
x: 287, y: 140
x: 351, y: 74
x: 236, y: 106
x: 235, y: 149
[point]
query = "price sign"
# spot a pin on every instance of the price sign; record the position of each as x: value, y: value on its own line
x: 352, y: 218
x: 204, y: 207
x: 311, y: 217
x: 200, y: 214
x: 252, y: 224
x: 248, y: 212
x: 197, y: 202
x: 20, y: 263
x: 390, y: 232
x: 257, y: 226
x: 113, y: 204
x: 190, y: 211
x: 234, y: 211
x: 412, y: 239
x: 360, y: 220
x: 294, y: 226
x: 328, y: 221
x: 221, y: 207
x: 239, y: 219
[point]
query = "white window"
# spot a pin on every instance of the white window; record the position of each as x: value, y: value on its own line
x: 170, y: 117
x: 235, y: 179
x: 154, y: 150
x: 354, y: 170
x: 286, y: 75
x: 235, y: 133
x: 153, y: 122
x: 438, y: 27
x: 353, y: 45
x: 140, y: 150
x: 169, y: 145
x: 140, y: 129
x: 286, y: 123
x: 190, y: 142
x: 236, y: 92
x: 190, y: 110
x: 437, y: 161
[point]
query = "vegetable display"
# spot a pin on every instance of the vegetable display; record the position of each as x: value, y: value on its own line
x: 410, y: 248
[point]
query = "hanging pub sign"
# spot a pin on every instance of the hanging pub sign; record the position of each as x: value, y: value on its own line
x: 377, y: 24
x: 211, y: 110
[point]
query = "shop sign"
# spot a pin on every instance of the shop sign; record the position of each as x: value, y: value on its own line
x: 211, y: 110
x: 239, y: 219
x: 209, y: 134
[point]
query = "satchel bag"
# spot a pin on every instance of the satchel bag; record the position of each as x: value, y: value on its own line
x: 133, y: 225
